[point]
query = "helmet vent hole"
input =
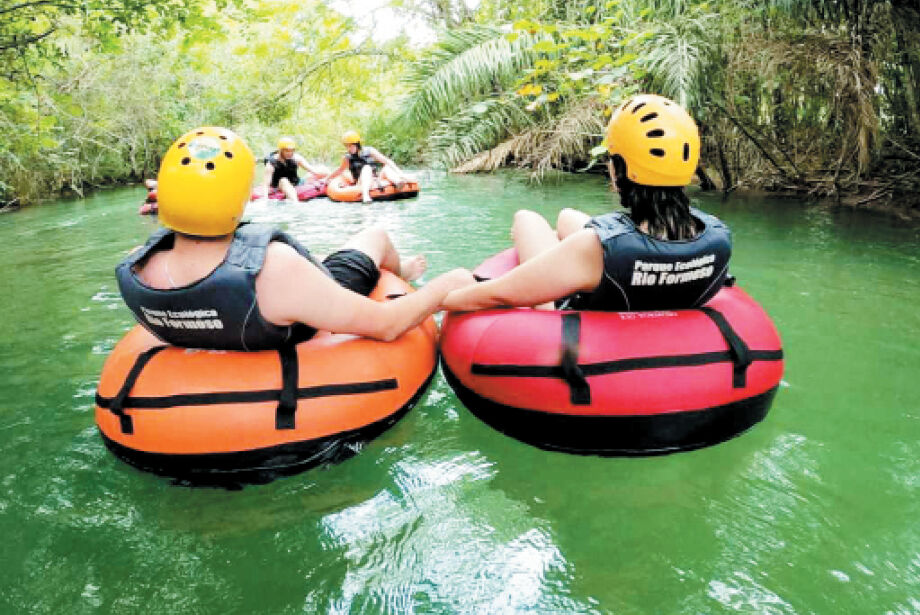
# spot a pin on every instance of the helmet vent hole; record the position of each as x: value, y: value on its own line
x: 228, y: 154
x: 209, y: 166
x: 186, y: 160
x: 200, y: 132
x: 182, y: 144
x: 666, y: 102
x: 637, y: 107
x: 657, y: 151
x: 658, y: 132
x: 686, y: 152
x: 650, y: 116
x: 224, y: 137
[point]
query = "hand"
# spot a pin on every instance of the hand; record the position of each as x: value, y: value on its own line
x: 452, y: 282
x: 455, y: 279
x: 457, y: 301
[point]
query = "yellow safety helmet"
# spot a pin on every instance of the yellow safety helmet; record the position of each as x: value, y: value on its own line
x: 657, y: 139
x: 351, y: 138
x: 204, y: 182
x: 287, y: 143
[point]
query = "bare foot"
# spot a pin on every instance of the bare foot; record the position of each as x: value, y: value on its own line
x: 366, y: 200
x: 413, y: 267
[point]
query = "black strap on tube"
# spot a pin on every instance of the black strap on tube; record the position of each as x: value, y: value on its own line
x: 579, y: 390
x: 287, y: 401
x: 117, y: 406
x: 740, y: 353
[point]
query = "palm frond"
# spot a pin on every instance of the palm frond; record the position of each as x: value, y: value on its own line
x: 677, y: 56
x: 473, y: 63
x: 570, y: 137
x: 562, y: 141
x: 476, y: 128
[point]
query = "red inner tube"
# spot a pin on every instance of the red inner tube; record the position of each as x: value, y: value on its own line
x: 635, y: 366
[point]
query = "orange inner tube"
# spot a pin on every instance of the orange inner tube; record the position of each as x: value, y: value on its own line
x: 202, y: 402
x: 343, y: 189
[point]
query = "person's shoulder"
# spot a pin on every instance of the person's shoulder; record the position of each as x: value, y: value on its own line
x: 282, y: 263
x: 612, y: 224
x: 614, y: 217
x: 585, y: 242
x: 279, y: 252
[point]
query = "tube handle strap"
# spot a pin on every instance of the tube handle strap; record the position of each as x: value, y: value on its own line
x: 579, y: 390
x: 117, y: 407
x: 740, y: 353
x: 287, y: 401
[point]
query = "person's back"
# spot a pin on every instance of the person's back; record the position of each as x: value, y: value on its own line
x: 203, y: 294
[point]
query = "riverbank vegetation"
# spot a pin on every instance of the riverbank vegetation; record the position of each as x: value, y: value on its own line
x: 817, y: 97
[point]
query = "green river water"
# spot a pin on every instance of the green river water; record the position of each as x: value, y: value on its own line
x: 815, y: 510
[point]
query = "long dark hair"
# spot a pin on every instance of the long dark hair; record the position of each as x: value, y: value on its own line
x: 664, y: 209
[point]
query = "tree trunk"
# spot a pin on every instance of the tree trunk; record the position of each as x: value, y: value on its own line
x: 706, y: 182
x: 724, y: 171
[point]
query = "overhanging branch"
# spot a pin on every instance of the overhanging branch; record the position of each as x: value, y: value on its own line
x: 18, y: 43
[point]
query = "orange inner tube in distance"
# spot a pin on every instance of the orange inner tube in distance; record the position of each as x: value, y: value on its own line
x: 343, y: 189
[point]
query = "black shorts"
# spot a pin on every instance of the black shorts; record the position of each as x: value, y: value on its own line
x: 354, y: 270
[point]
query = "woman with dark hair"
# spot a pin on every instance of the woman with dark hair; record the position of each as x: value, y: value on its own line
x: 661, y: 254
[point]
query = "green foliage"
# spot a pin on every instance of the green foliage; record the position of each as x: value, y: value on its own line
x: 89, y: 116
x: 465, y: 65
x: 475, y: 128
x: 788, y: 93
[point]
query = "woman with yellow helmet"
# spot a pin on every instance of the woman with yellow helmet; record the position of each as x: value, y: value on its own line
x: 362, y: 162
x: 281, y: 169
x: 616, y: 261
x: 208, y: 281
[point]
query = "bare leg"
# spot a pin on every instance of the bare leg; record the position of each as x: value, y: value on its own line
x: 290, y: 193
x: 389, y: 173
x: 376, y: 243
x: 532, y: 235
x: 570, y: 221
x: 367, y: 176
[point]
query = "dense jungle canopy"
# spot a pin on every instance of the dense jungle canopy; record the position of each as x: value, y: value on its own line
x: 815, y: 97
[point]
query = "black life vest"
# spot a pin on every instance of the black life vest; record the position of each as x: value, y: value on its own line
x: 645, y: 273
x: 219, y: 311
x: 358, y: 161
x: 282, y: 169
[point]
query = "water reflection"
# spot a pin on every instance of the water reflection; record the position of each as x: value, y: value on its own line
x: 442, y: 541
